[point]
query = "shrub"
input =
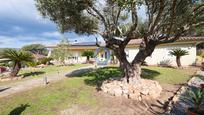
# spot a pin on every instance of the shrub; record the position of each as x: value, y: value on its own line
x: 202, y: 54
x: 45, y: 61
x: 165, y: 63
x: 32, y: 64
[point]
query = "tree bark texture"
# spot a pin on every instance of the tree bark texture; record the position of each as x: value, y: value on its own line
x: 178, y: 61
x: 132, y: 71
x: 16, y: 68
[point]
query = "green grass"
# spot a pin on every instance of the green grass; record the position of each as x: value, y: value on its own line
x: 169, y: 75
x: 49, y: 70
x: 50, y: 99
x: 40, y: 72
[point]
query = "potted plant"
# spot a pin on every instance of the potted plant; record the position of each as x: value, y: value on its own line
x: 194, y: 97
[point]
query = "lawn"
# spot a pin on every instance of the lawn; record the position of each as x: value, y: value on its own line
x: 168, y: 75
x: 49, y: 70
x: 30, y: 73
x: 78, y: 90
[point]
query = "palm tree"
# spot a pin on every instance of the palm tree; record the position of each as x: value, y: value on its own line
x: 178, y: 53
x: 17, y: 58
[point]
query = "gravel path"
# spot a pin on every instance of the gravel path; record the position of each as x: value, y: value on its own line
x: 6, y: 90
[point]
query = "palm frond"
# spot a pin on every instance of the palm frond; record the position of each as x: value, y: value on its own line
x: 178, y: 52
x: 16, y: 56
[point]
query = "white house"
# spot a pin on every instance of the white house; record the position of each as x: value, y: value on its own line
x: 160, y: 55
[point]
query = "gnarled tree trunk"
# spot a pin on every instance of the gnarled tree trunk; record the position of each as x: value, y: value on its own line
x: 16, y: 68
x: 132, y: 71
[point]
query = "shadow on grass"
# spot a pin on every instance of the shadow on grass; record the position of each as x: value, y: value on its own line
x: 18, y: 110
x: 79, y: 72
x: 32, y: 73
x: 3, y: 89
x: 96, y: 77
x: 149, y: 74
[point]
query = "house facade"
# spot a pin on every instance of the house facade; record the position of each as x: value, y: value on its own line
x: 160, y: 56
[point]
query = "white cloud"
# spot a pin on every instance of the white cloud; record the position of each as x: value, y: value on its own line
x: 17, y: 28
x: 52, y: 34
x: 19, y: 41
x: 21, y: 9
x: 18, y: 8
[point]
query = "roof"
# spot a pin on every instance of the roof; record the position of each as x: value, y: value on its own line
x: 84, y: 44
x: 132, y: 42
x: 181, y: 39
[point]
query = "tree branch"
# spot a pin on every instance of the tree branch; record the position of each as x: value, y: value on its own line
x: 134, y: 25
x: 101, y: 16
x: 198, y: 7
x: 156, y: 20
x: 92, y: 14
x: 172, y: 17
x: 118, y: 15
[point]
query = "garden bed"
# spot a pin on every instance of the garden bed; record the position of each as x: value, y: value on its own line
x: 178, y: 105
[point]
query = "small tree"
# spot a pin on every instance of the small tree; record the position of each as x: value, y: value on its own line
x: 62, y: 50
x: 88, y: 54
x: 17, y: 58
x: 178, y: 53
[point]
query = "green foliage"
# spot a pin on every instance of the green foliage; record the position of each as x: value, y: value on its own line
x: 88, y: 53
x: 16, y: 56
x: 68, y: 14
x: 120, y: 17
x: 32, y: 64
x: 194, y: 96
x: 36, y: 48
x: 62, y: 50
x: 60, y: 53
x: 45, y: 60
x: 202, y: 54
x: 178, y: 52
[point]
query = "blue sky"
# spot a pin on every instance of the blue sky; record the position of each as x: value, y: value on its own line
x: 21, y: 24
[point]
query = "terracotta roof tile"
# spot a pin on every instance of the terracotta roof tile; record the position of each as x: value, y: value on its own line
x: 181, y: 39
x: 132, y: 42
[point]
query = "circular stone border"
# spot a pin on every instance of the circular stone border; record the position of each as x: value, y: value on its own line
x: 145, y: 90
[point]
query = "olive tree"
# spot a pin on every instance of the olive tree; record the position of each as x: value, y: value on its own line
x: 117, y: 21
x: 61, y: 52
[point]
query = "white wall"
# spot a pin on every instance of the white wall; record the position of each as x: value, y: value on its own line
x: 79, y: 58
x: 161, y: 53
